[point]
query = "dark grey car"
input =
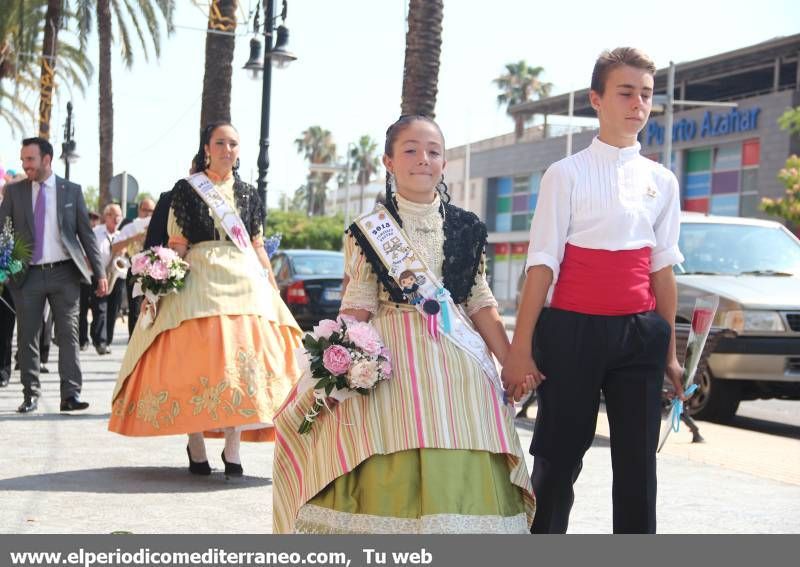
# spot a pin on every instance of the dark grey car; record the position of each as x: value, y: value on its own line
x: 310, y: 282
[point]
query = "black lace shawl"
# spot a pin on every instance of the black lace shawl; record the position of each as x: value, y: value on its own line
x: 191, y: 213
x: 464, y: 243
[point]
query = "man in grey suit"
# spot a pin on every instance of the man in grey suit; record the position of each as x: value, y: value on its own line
x: 50, y: 214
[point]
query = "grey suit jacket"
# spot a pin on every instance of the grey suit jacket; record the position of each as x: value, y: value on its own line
x: 73, y: 222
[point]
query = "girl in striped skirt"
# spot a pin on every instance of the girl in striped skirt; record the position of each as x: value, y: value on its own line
x: 433, y: 449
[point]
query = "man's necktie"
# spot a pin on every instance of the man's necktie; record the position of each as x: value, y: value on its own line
x: 38, y: 225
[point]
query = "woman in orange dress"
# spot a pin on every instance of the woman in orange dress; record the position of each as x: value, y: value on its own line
x: 218, y: 359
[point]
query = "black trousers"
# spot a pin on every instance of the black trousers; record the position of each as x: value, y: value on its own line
x: 87, y: 292
x: 46, y: 337
x: 58, y: 285
x: 134, y: 304
x: 624, y: 357
x: 7, y: 322
x: 104, y: 314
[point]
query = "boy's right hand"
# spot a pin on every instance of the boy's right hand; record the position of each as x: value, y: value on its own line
x: 520, y: 374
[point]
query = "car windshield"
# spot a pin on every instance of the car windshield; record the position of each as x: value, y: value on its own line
x: 321, y: 265
x: 735, y: 249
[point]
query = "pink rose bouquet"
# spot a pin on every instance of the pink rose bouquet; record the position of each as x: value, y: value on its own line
x: 343, y: 356
x: 157, y: 271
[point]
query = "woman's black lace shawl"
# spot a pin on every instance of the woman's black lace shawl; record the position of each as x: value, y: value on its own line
x: 464, y: 243
x: 191, y: 213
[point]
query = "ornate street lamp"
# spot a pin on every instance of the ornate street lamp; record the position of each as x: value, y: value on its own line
x: 279, y: 56
x: 68, y: 146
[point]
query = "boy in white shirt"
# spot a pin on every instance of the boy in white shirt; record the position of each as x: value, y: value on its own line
x: 604, y: 236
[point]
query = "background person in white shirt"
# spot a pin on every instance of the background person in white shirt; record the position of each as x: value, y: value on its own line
x: 604, y: 236
x: 129, y: 241
x: 49, y: 213
x: 106, y: 308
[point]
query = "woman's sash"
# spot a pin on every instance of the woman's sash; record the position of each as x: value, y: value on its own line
x: 226, y: 215
x: 391, y: 244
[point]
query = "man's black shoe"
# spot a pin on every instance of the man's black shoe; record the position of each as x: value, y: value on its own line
x: 43, y: 369
x: 29, y: 405
x: 4, y: 378
x: 102, y: 348
x: 73, y: 404
x: 84, y: 346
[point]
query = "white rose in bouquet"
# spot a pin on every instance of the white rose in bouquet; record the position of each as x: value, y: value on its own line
x: 363, y: 374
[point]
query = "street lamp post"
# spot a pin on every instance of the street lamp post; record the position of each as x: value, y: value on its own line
x: 266, y: 88
x: 276, y: 55
x: 68, y: 146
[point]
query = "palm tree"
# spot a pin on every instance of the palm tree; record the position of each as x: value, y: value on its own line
x: 47, y: 79
x: 364, y: 162
x: 317, y: 146
x: 21, y: 31
x: 220, y: 43
x: 423, y: 46
x: 518, y: 84
x: 139, y: 13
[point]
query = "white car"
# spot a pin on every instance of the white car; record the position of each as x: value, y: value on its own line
x: 754, y: 267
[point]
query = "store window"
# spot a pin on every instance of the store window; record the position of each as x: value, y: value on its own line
x: 751, y: 155
x: 511, y: 202
x: 507, y: 261
x: 722, y: 180
x: 697, y: 187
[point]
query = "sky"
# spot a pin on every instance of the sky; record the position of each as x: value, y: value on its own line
x: 348, y: 75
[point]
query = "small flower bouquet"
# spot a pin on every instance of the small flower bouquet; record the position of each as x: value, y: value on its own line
x: 272, y: 243
x: 344, y: 357
x: 702, y: 317
x: 157, y: 271
x: 14, y: 253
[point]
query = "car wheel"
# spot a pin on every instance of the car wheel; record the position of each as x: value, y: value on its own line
x: 714, y: 400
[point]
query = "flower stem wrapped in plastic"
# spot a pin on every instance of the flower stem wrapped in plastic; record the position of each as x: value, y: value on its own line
x: 703, y: 316
x: 341, y: 359
x: 157, y: 271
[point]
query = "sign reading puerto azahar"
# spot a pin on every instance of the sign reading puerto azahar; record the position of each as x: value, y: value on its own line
x: 711, y: 126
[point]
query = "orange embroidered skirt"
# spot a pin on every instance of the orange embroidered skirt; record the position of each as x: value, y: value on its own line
x: 190, y: 373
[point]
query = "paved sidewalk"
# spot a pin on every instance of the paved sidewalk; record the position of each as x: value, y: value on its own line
x: 68, y: 474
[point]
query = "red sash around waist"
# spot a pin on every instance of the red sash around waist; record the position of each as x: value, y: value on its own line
x: 604, y: 282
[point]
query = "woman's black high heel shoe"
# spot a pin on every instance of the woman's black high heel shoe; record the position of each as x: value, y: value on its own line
x: 201, y: 468
x: 232, y: 469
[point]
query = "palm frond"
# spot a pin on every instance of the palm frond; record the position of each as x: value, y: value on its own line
x: 138, y: 28
x: 167, y: 8
x: 83, y: 16
x: 152, y: 24
x: 124, y: 36
x: 11, y: 117
x: 71, y: 77
x: 78, y: 58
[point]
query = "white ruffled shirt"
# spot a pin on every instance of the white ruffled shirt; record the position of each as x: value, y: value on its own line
x: 606, y: 198
x: 53, y: 248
